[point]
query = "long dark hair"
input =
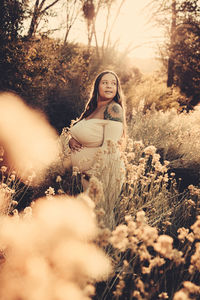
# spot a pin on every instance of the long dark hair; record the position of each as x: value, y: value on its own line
x: 91, y: 105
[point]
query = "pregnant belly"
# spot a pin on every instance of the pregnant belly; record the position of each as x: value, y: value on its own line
x: 84, y: 159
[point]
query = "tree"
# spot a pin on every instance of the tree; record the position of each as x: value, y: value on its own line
x: 186, y: 61
x: 73, y: 9
x: 181, y: 20
x: 40, y: 9
x: 11, y: 18
x: 11, y: 22
x: 170, y: 72
x: 91, y: 10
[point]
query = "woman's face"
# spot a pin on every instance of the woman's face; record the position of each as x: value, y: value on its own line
x: 107, y: 87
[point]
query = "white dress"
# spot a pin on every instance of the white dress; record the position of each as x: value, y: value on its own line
x: 101, y: 157
x: 92, y: 134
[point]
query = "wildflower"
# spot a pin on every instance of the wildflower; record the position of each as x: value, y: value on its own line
x: 50, y: 191
x: 195, y: 261
x: 75, y: 171
x: 137, y: 295
x: 27, y: 213
x: 119, y: 288
x: 144, y: 253
x: 191, y: 287
x: 163, y: 295
x: 138, y: 144
x: 61, y: 192
x: 167, y: 223
x: 15, y: 214
x: 146, y: 270
x: 119, y: 238
x: 177, y: 257
x: 140, y: 285
x: 164, y: 245
x: 58, y: 178
x: 12, y: 177
x: 128, y: 218
x: 131, y: 156
x: 31, y: 177
x: 191, y: 202
x: 181, y: 295
x: 131, y: 227
x: 133, y: 242
x: 183, y: 232
x: 196, y: 228
x: 125, y: 263
x: 157, y: 261
x: 156, y: 158
x: 166, y: 162
x: 190, y: 237
x: 140, y: 218
x: 95, y: 190
x: 150, y: 150
x: 14, y: 203
x: 129, y: 145
x: 3, y: 169
x: 149, y: 235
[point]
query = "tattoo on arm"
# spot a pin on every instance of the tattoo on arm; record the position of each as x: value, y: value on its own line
x: 113, y: 112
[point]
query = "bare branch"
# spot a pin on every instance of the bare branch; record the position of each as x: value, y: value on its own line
x: 115, y: 19
x: 49, y: 6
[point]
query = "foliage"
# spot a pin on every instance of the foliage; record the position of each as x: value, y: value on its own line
x: 144, y: 92
x: 173, y: 134
x: 186, y: 57
x: 180, y: 20
x: 11, y: 21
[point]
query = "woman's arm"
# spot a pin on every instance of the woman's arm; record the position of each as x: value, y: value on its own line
x: 74, y: 145
x: 113, y: 130
x: 114, y: 112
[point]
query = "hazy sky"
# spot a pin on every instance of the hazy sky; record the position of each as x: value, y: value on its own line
x: 131, y: 28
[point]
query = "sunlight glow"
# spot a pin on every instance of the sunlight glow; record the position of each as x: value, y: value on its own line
x: 131, y: 31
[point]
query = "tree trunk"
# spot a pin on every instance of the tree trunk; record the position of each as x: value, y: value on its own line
x: 170, y: 77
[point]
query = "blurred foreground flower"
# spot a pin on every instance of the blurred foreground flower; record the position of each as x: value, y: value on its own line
x: 51, y: 255
x: 28, y: 139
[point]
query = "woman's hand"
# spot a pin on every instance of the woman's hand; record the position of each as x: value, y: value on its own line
x: 74, y: 145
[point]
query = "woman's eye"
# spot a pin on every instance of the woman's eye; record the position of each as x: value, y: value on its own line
x: 106, y: 82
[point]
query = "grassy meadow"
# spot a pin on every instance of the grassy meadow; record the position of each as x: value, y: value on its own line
x: 56, y: 246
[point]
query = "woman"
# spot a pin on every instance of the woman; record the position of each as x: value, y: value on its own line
x: 95, y: 137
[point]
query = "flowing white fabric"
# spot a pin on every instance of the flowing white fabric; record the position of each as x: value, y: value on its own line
x: 101, y: 157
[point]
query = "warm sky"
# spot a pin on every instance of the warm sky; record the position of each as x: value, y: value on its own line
x: 131, y: 28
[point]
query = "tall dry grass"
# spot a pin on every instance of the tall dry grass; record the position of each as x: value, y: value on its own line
x: 175, y: 135
x: 152, y: 90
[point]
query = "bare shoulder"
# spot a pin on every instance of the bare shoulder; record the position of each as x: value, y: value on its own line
x: 113, y: 112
